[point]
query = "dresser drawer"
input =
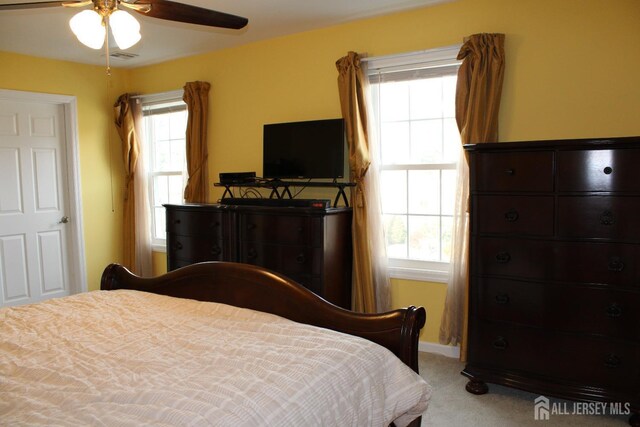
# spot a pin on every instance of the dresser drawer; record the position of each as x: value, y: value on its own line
x: 564, y: 307
x: 289, y: 260
x: 279, y: 229
x: 514, y: 171
x: 195, y: 223
x: 599, y: 170
x: 606, y: 263
x: 196, y: 249
x: 600, y: 263
x: 532, y: 259
x: 555, y: 356
x: 608, y: 217
x: 532, y: 215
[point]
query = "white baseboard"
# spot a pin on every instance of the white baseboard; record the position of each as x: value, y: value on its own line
x: 445, y: 350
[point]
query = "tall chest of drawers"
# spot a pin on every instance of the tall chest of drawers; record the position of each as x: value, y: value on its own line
x: 554, y: 290
x: 309, y: 245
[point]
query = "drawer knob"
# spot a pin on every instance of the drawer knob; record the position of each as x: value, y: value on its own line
x: 177, y: 246
x: 608, y: 170
x: 251, y: 226
x: 214, y: 224
x: 503, y: 257
x: 176, y: 221
x: 300, y: 259
x: 607, y: 218
x: 500, y: 343
x: 614, y: 310
x: 502, y: 299
x: 215, y: 250
x: 510, y: 171
x: 511, y: 215
x: 615, y: 264
x: 252, y: 254
x: 612, y: 361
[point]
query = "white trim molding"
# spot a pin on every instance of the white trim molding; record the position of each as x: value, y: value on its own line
x: 444, y: 350
x: 431, y: 58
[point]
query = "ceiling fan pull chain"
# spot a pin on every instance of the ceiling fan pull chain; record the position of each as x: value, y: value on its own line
x: 106, y: 35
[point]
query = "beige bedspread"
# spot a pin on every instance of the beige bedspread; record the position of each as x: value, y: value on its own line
x: 132, y: 358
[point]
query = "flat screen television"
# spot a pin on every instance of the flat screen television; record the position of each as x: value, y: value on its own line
x: 310, y: 149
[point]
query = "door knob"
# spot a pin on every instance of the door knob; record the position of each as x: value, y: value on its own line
x: 63, y: 220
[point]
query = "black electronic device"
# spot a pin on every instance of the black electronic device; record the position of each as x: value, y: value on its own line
x: 293, y: 203
x: 237, y: 177
x: 310, y: 149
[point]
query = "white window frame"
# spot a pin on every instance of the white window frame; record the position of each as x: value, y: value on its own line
x: 430, y: 271
x: 158, y: 245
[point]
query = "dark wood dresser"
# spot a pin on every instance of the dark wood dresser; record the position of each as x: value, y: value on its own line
x: 554, y: 302
x: 309, y: 245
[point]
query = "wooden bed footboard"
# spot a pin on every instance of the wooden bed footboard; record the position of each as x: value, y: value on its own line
x: 256, y: 288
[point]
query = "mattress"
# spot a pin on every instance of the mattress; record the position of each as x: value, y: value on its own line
x: 133, y: 358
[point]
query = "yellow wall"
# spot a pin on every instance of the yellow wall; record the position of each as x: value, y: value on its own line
x: 571, y: 72
x: 95, y: 94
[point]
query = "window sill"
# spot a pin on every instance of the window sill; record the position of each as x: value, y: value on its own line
x: 419, y: 274
x: 158, y: 247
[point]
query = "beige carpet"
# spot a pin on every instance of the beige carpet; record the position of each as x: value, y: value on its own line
x: 452, y: 406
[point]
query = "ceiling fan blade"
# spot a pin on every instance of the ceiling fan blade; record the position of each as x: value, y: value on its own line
x: 172, y: 11
x: 16, y: 6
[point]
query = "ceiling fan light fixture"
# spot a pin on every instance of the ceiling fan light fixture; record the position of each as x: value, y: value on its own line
x: 125, y: 29
x: 87, y: 27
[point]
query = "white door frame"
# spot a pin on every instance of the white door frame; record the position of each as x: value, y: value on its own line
x: 76, y: 256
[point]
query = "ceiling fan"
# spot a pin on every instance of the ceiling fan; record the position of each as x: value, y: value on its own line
x: 91, y: 26
x: 161, y: 9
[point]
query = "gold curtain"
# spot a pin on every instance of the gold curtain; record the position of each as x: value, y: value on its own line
x: 478, y: 93
x: 124, y: 122
x: 196, y: 96
x: 370, y: 279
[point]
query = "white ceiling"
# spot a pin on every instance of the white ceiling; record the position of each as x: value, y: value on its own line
x: 45, y: 32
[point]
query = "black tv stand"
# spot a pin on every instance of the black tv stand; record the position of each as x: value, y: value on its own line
x: 280, y: 189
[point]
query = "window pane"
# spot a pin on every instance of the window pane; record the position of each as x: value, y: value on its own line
x: 448, y: 191
x: 394, y: 101
x: 424, y: 238
x: 447, y: 230
x: 449, y: 96
x: 395, y: 231
x: 160, y: 190
x: 176, y: 189
x: 393, y: 190
x: 394, y: 143
x: 160, y: 123
x: 177, y: 125
x: 159, y: 223
x: 162, y: 155
x: 424, y: 192
x: 178, y: 160
x: 426, y: 141
x: 426, y: 99
x: 451, y: 140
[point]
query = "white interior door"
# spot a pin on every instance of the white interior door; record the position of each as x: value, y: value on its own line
x: 34, y: 203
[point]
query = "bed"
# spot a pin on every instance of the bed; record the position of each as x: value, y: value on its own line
x: 213, y: 343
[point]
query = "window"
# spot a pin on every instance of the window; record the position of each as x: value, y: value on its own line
x: 413, y: 105
x: 165, y: 122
